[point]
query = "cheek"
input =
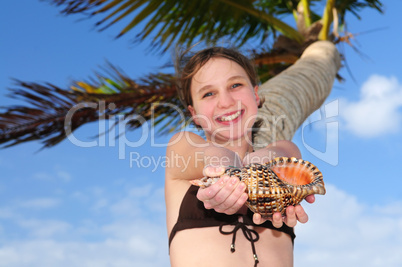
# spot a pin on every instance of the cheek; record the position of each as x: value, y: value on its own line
x: 202, y: 115
x: 253, y: 115
x: 250, y: 100
x: 252, y: 107
x: 205, y: 116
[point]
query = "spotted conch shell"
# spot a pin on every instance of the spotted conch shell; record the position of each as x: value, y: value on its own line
x: 275, y: 185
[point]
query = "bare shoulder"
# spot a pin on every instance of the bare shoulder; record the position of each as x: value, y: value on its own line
x: 184, y: 144
x: 185, y: 138
x: 184, y: 155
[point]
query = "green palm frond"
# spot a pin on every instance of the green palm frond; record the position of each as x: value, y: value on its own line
x: 38, y: 120
x: 51, y: 113
x: 185, y: 22
x: 355, y: 7
x: 342, y: 7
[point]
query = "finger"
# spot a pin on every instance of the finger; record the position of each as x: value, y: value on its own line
x: 235, y: 207
x: 219, y: 192
x: 205, y: 194
x: 301, y: 214
x: 228, y: 194
x: 257, y: 218
x: 213, y: 171
x: 291, y: 219
x: 235, y: 199
x: 310, y: 199
x: 277, y: 220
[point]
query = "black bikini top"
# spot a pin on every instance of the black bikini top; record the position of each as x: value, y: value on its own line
x: 192, y: 214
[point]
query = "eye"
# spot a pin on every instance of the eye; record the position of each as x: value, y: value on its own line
x: 236, y: 85
x: 207, y: 94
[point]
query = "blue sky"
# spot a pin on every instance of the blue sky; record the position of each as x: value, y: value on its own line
x: 99, y: 206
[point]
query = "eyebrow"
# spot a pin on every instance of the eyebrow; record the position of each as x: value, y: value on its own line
x: 208, y: 86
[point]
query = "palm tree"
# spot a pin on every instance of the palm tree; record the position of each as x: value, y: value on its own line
x: 297, y: 64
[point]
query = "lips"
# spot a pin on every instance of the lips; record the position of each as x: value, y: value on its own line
x: 230, y: 117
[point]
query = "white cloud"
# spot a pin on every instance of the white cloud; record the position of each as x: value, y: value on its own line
x: 378, y: 111
x: 57, y: 175
x: 142, y: 249
x: 341, y: 231
x: 7, y: 213
x: 64, y: 176
x: 43, y: 176
x: 45, y: 228
x: 114, y: 236
x: 40, y: 203
x: 138, y: 199
x: 344, y: 232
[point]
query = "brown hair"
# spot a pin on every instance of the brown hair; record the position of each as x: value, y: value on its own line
x: 188, y: 65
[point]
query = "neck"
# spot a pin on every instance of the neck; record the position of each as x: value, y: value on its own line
x: 240, y: 147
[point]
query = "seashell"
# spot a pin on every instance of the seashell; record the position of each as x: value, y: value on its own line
x: 275, y: 185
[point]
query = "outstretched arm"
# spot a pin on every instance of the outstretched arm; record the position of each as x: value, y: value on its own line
x: 186, y: 156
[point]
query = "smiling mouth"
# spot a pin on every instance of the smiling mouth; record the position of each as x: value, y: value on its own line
x: 230, y: 117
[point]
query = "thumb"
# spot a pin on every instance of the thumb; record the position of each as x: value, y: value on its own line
x: 213, y: 171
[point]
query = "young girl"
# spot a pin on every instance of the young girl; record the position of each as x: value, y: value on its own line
x: 219, y: 88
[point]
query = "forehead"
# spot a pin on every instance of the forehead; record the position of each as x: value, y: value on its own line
x: 217, y: 70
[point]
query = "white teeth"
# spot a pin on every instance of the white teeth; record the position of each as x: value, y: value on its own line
x: 231, y: 117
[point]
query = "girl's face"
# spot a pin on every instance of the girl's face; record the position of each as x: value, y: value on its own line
x: 225, y: 103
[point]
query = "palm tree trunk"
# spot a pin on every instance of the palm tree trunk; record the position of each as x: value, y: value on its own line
x: 294, y: 94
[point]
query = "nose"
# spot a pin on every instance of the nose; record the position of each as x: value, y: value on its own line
x: 226, y: 100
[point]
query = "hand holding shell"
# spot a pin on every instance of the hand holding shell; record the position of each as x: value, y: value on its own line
x: 275, y: 185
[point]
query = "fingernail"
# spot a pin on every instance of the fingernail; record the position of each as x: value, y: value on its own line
x: 217, y: 168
